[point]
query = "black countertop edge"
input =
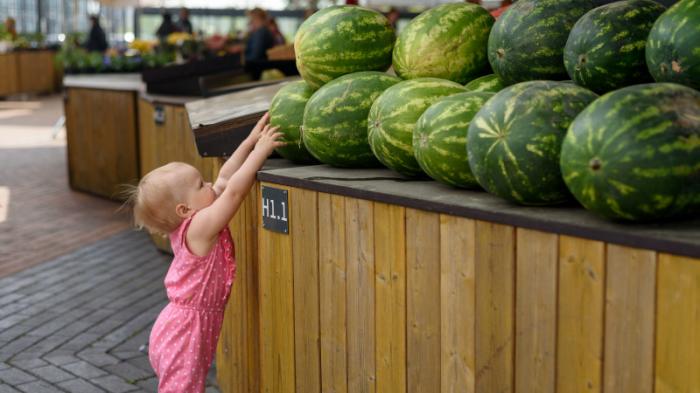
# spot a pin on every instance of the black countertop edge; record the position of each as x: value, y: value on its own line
x: 570, y: 229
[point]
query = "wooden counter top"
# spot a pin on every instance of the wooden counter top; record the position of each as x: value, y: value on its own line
x: 124, y: 82
x: 383, y: 185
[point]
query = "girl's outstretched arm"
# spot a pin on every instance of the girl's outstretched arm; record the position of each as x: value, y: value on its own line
x: 209, y: 221
x: 238, y: 157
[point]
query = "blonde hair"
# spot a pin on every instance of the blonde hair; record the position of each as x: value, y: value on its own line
x: 153, y: 202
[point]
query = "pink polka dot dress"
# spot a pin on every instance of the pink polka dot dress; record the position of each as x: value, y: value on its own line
x: 184, y: 338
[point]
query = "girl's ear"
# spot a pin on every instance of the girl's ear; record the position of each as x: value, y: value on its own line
x: 182, y: 210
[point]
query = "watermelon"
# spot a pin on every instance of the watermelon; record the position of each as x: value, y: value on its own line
x: 605, y: 49
x: 287, y: 113
x: 448, y: 42
x: 527, y: 41
x: 514, y: 141
x: 490, y: 83
x: 634, y: 153
x: 340, y: 40
x: 335, y: 119
x: 394, y: 114
x: 673, y: 46
x: 440, y: 138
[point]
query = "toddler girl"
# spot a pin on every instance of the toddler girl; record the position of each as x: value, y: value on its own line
x: 175, y: 200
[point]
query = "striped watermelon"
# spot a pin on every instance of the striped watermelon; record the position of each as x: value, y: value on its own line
x: 335, y: 119
x: 514, y: 141
x: 527, y: 41
x: 448, y: 42
x: 673, y: 47
x: 340, y: 40
x: 605, y: 49
x: 393, y: 117
x: 490, y: 83
x: 287, y: 112
x: 440, y: 138
x: 634, y: 153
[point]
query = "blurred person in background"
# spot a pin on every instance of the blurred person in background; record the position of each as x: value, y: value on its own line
x: 183, y: 23
x: 166, y: 26
x: 277, y: 36
x: 259, y: 38
x: 504, y: 6
x: 97, y: 40
x: 11, y: 27
x: 393, y: 16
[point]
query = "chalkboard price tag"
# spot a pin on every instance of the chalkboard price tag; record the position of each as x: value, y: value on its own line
x: 275, y: 209
x: 159, y: 114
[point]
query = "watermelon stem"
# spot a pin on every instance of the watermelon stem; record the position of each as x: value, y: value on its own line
x: 595, y: 164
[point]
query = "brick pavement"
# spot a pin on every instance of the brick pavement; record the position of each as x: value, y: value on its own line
x: 75, y: 324
x: 40, y: 217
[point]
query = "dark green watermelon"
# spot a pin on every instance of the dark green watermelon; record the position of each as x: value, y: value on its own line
x: 448, y: 42
x: 287, y: 113
x: 440, y: 138
x: 393, y: 117
x: 335, y: 119
x: 605, y: 49
x: 673, y: 47
x: 527, y: 41
x: 634, y: 153
x: 489, y: 83
x: 340, y: 40
x: 514, y: 141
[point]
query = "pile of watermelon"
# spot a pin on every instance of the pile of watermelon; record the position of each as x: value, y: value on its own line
x: 552, y: 102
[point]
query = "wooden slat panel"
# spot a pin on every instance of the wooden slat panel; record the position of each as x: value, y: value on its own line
x: 457, y: 248
x: 423, y: 301
x: 580, y: 315
x: 390, y: 300
x: 535, y: 311
x: 251, y: 277
x: 495, y: 290
x: 102, y: 138
x: 359, y: 237
x: 276, y: 309
x: 36, y: 71
x: 304, y: 232
x: 9, y: 82
x: 629, y: 320
x: 331, y: 254
x: 678, y: 325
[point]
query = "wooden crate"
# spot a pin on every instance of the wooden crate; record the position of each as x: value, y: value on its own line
x: 9, y: 74
x: 365, y: 296
x: 165, y: 138
x: 102, y: 140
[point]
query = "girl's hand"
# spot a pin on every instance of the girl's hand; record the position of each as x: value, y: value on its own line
x: 269, y: 139
x: 257, y: 130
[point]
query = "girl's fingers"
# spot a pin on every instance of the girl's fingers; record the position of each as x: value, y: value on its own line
x: 263, y: 120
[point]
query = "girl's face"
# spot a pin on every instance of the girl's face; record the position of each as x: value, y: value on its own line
x: 198, y: 194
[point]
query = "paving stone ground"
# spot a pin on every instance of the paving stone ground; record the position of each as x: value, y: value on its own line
x: 79, y: 291
x: 76, y: 324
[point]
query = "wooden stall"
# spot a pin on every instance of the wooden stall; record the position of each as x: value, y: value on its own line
x: 28, y: 72
x: 102, y: 132
x: 365, y: 281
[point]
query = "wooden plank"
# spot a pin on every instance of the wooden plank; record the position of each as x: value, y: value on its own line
x: 495, y: 293
x: 36, y: 71
x: 535, y: 311
x: 304, y: 232
x: 580, y: 315
x: 457, y: 310
x: 677, y: 322
x: 251, y: 276
x: 423, y: 300
x: 332, y: 276
x: 629, y: 320
x: 390, y: 297
x: 276, y: 309
x: 359, y: 238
